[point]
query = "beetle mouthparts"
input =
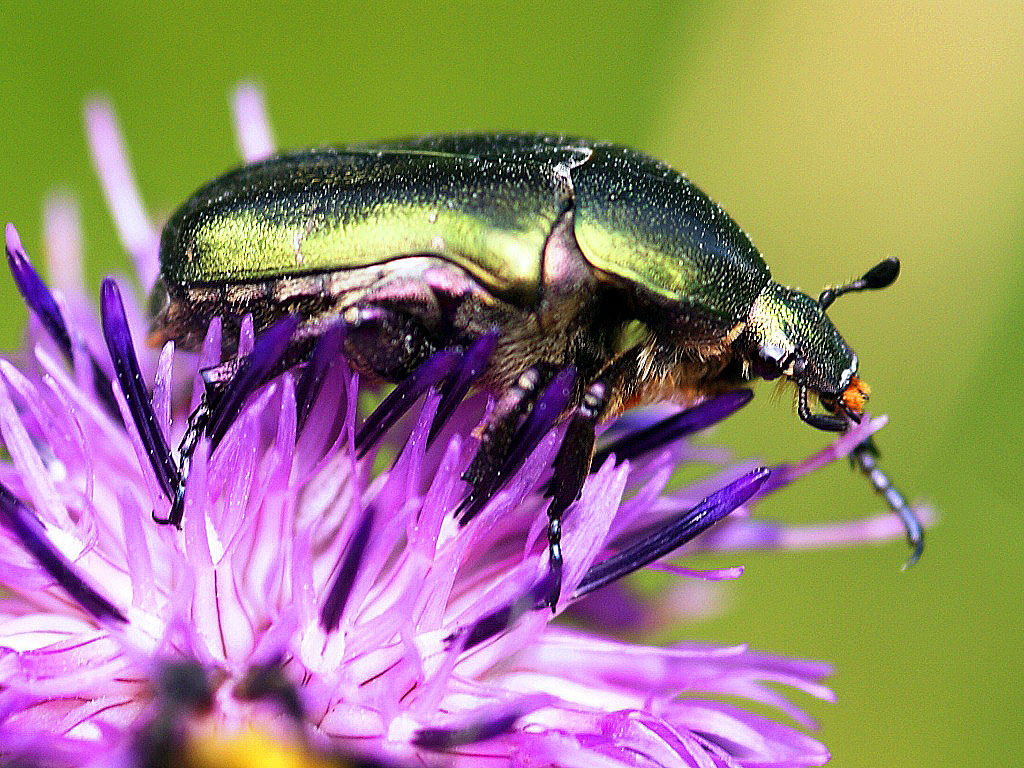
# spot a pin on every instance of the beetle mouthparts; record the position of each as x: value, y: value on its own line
x: 855, y: 395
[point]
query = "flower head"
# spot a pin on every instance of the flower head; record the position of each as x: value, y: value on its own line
x: 330, y: 605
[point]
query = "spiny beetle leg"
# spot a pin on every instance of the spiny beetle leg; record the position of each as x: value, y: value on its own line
x: 498, y: 433
x: 215, y: 381
x: 226, y: 388
x: 864, y: 458
x: 571, y: 468
x: 198, y: 421
x: 505, y: 446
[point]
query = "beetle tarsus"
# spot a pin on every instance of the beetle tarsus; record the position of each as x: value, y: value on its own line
x: 226, y: 388
x: 198, y: 421
x: 864, y: 457
x: 546, y: 412
x: 571, y: 468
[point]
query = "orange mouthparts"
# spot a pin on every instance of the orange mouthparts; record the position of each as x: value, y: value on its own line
x: 856, y: 394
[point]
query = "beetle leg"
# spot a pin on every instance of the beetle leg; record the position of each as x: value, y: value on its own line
x: 864, y: 458
x: 496, y: 441
x: 571, y: 468
x: 823, y: 421
x: 227, y: 387
x: 385, y: 342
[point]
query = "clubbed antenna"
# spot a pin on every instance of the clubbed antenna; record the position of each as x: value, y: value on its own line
x: 881, y: 275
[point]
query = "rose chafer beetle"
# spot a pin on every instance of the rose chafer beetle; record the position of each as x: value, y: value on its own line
x: 577, y: 277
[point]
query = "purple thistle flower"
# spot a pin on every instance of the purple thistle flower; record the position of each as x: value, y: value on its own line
x: 332, y: 607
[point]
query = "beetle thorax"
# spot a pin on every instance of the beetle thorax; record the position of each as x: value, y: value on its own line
x: 789, y: 334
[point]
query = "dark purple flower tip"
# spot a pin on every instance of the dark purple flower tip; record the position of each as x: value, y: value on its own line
x: 486, y: 726
x: 334, y: 606
x: 126, y: 368
x: 36, y: 294
x: 459, y: 382
x: 673, y: 534
x: 41, y: 303
x: 502, y: 619
x: 441, y: 739
x: 431, y: 373
x: 676, y: 426
x: 25, y: 527
x: 326, y: 350
x: 255, y: 369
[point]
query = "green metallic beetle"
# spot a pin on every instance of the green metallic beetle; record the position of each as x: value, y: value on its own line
x: 577, y: 253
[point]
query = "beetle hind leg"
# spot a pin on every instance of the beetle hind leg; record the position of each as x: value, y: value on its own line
x: 385, y: 343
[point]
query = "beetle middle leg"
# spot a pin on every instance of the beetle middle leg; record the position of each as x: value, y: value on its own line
x: 484, y: 473
x: 388, y: 344
x: 571, y: 468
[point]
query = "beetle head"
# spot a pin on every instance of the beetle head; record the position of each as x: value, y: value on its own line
x: 789, y: 334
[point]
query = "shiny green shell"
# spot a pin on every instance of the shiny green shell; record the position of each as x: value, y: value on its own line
x: 486, y: 203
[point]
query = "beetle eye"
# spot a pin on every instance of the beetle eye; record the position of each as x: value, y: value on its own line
x: 771, y: 361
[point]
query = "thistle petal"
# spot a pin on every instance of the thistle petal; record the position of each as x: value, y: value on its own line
x: 126, y: 366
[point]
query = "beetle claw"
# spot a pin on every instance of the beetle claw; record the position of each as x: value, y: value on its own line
x: 823, y: 421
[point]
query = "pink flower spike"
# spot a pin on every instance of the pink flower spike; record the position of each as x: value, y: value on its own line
x: 110, y: 158
x: 62, y: 230
x: 252, y: 126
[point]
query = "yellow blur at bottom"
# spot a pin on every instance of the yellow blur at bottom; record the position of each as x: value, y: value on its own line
x: 251, y: 747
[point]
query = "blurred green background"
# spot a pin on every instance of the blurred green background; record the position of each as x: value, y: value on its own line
x: 835, y: 133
